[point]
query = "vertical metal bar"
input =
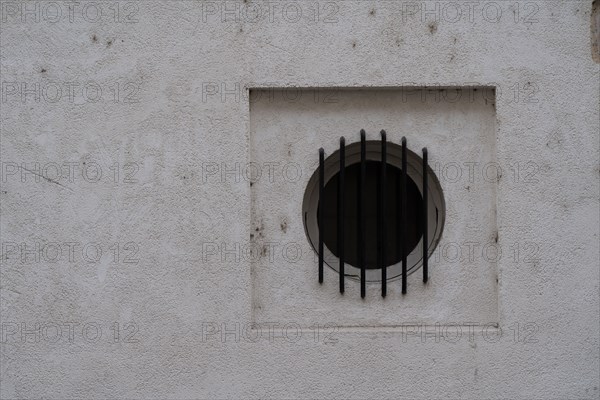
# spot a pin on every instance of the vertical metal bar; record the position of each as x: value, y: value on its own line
x: 321, y: 207
x: 403, y: 215
x: 382, y: 221
x: 399, y: 215
x: 424, y: 221
x: 378, y: 262
x: 359, y: 229
x: 341, y: 212
x: 361, y: 207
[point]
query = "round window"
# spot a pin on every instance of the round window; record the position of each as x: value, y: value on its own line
x: 373, y: 212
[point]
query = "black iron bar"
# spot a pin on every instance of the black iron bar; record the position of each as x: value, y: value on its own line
x: 359, y: 232
x: 403, y: 216
x: 381, y: 223
x: 359, y: 227
x: 361, y: 208
x: 424, y: 220
x: 321, y: 207
x: 399, y: 215
x: 383, y: 214
x: 341, y: 213
x: 378, y: 220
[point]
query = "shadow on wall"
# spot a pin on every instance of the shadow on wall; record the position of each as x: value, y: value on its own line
x: 596, y: 30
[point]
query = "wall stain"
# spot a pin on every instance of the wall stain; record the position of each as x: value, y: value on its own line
x: 259, y: 229
x: 432, y: 27
x: 595, y: 31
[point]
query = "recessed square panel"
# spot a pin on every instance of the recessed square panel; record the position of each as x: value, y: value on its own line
x: 287, y: 128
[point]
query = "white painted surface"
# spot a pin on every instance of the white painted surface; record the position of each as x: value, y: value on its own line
x: 170, y: 138
x: 287, y: 135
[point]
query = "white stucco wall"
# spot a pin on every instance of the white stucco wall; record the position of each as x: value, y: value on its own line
x: 154, y: 95
x: 286, y: 131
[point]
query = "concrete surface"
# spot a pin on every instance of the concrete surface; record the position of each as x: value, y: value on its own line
x: 287, y: 135
x: 116, y: 285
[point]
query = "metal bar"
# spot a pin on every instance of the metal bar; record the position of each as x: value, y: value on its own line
x: 424, y: 227
x: 341, y: 211
x: 357, y: 245
x: 403, y: 215
x: 359, y: 231
x: 399, y: 215
x: 383, y: 213
x: 378, y: 262
x: 361, y: 208
x: 321, y: 207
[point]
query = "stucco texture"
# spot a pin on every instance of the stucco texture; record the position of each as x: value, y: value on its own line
x: 137, y: 278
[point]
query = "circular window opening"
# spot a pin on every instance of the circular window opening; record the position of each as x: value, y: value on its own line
x: 371, y: 210
x: 436, y: 210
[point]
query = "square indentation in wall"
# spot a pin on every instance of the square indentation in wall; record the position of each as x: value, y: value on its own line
x: 287, y: 128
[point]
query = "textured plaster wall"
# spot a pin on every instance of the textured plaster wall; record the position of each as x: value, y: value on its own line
x: 152, y: 94
x: 290, y: 132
